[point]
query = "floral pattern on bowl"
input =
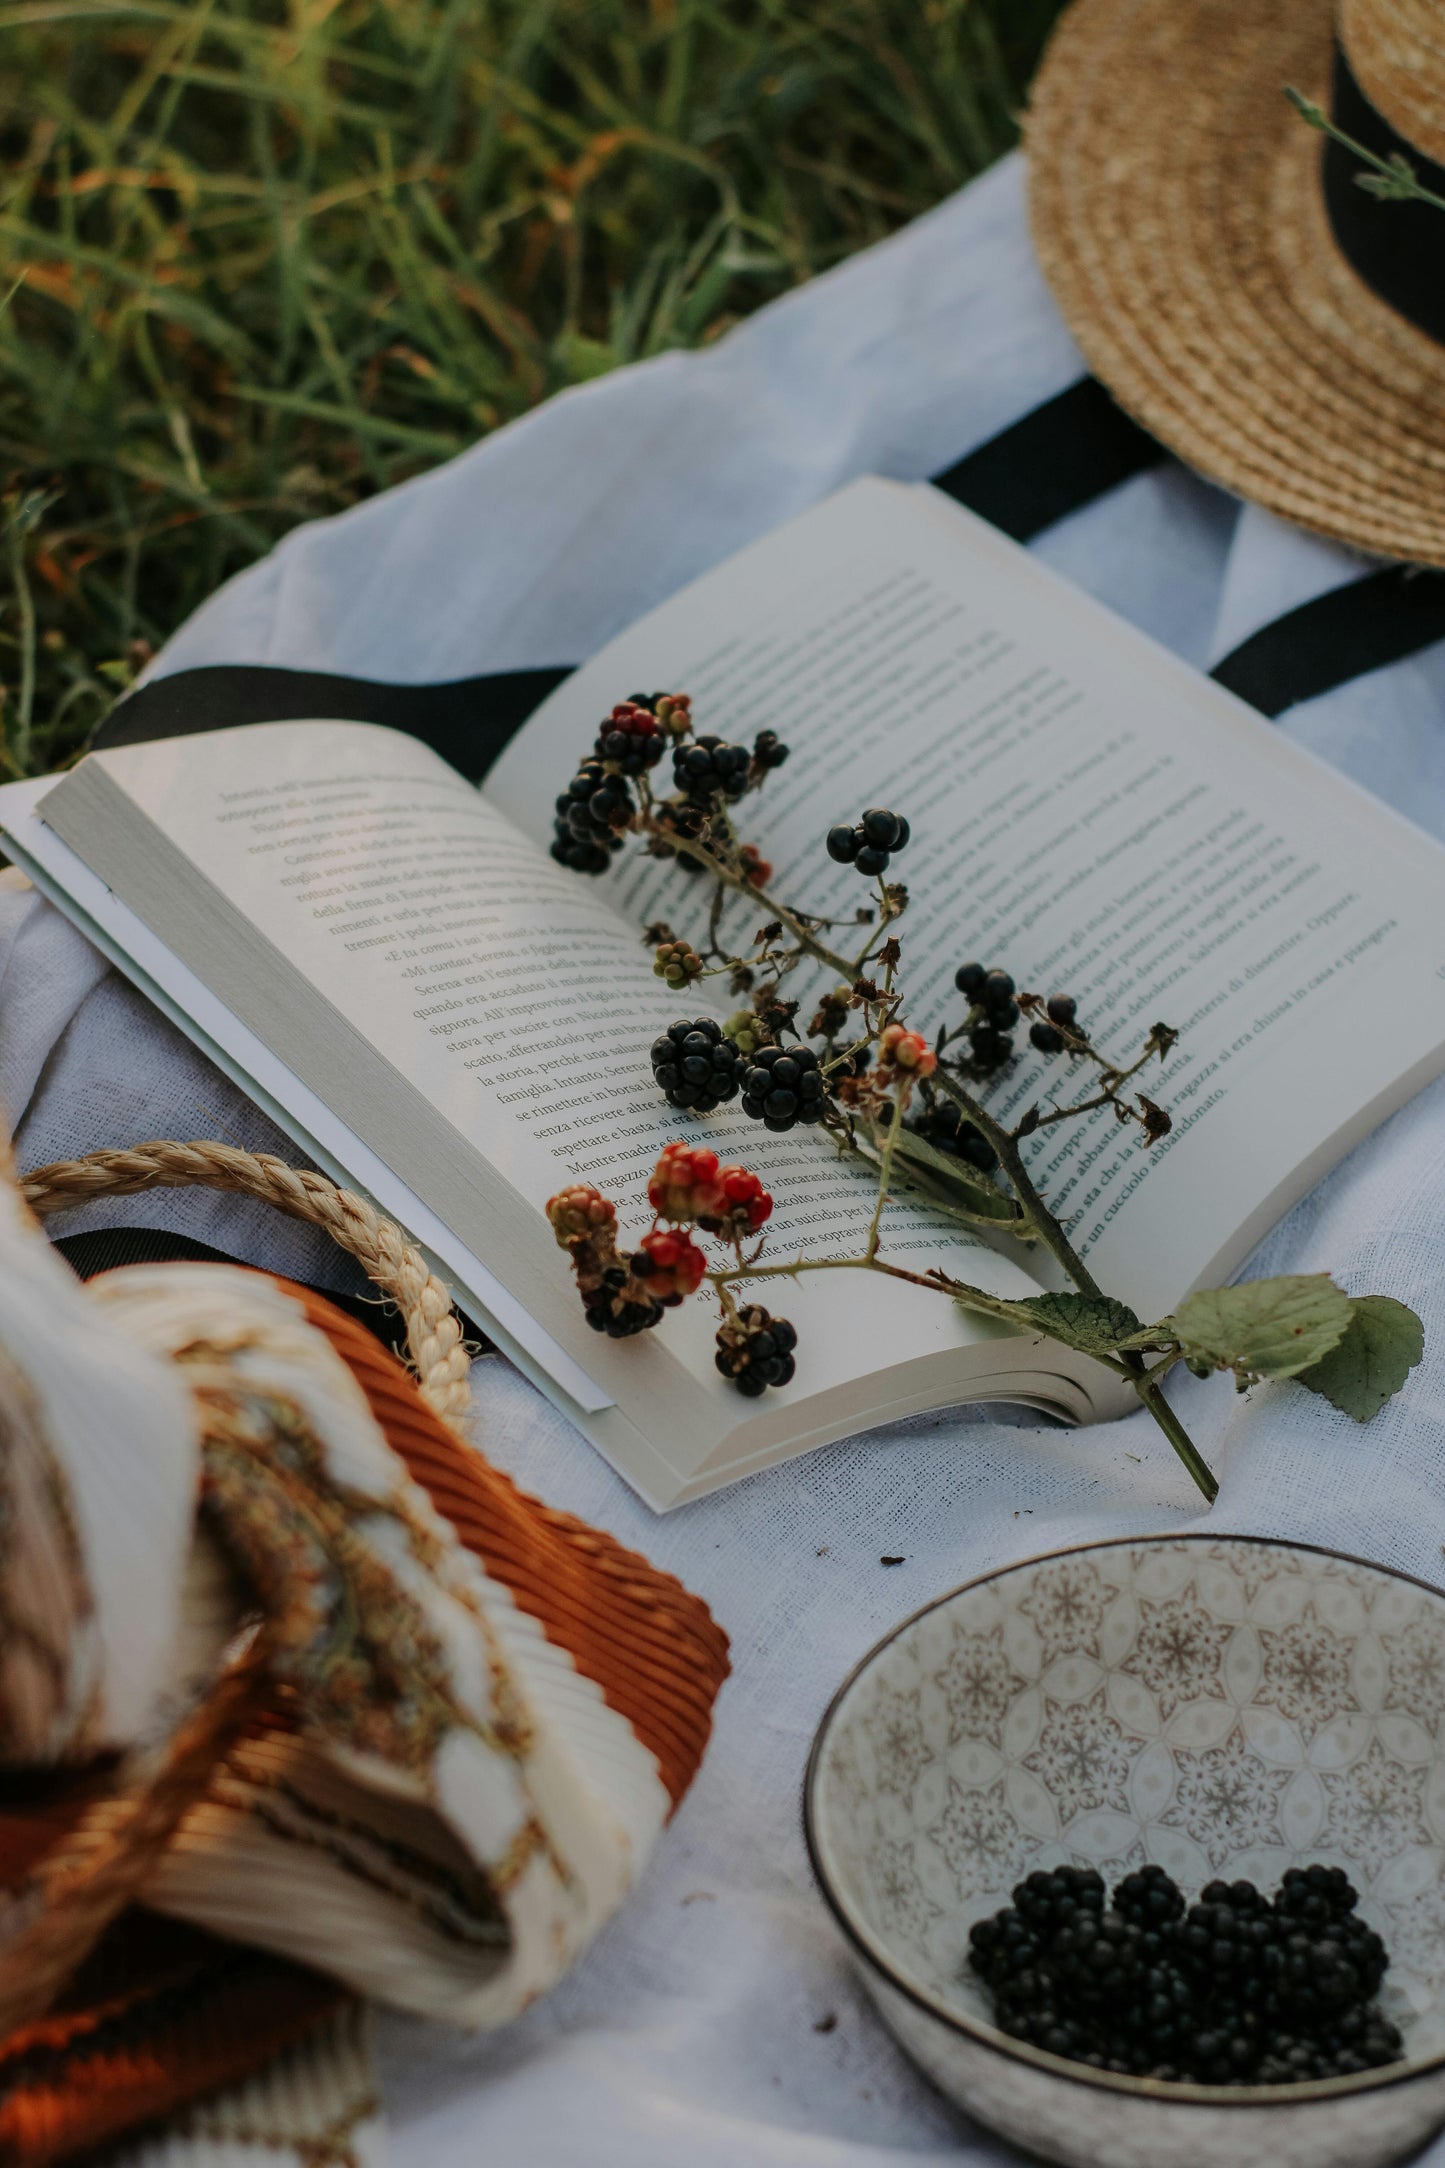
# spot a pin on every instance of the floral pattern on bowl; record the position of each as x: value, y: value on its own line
x: 1223, y: 1706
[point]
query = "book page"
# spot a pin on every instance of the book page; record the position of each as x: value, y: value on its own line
x: 501, y: 994
x: 1087, y: 813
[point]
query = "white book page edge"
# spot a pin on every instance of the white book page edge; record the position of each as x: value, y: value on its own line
x: 104, y: 920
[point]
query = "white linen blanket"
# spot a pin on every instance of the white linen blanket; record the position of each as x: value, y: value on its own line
x: 716, y: 2022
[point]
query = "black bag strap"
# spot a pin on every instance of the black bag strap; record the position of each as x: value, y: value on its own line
x: 1057, y: 458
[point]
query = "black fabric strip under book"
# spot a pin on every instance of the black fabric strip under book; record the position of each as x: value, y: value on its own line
x: 467, y: 721
x: 108, y: 1247
x: 1336, y: 636
x: 1059, y: 457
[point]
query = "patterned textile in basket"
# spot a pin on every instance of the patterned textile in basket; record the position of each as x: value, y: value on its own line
x: 285, y: 1661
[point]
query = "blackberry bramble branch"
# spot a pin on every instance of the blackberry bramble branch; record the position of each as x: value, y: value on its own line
x: 913, y: 1106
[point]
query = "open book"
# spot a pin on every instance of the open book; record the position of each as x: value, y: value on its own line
x: 391, y: 961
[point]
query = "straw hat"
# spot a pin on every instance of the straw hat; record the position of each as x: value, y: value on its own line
x: 1179, y: 210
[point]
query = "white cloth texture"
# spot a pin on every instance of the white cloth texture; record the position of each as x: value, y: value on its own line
x: 716, y: 2021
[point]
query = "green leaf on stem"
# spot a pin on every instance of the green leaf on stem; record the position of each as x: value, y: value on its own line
x: 970, y: 1191
x: 1264, y: 1328
x: 1381, y: 1346
x: 1095, y: 1324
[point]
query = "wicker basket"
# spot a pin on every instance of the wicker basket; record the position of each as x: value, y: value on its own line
x: 90, y: 1875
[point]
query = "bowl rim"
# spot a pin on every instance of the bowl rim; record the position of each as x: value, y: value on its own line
x: 875, y: 1953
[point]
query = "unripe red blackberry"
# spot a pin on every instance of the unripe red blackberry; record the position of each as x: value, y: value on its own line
x: 631, y: 738
x: 669, y: 1264
x: 905, y: 1052
x: 746, y: 1205
x: 687, y: 1183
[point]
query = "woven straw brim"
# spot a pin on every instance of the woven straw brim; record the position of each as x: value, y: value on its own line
x: 1179, y: 218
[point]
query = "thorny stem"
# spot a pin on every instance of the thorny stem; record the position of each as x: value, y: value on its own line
x: 1052, y: 1234
x: 885, y: 1169
x: 1114, y: 1078
x: 1178, y: 1437
x: 1049, y: 1230
x: 977, y: 1298
x: 805, y: 940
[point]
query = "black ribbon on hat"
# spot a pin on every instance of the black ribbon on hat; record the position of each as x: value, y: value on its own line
x: 1397, y: 247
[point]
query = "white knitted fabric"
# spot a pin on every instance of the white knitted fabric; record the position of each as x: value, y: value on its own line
x: 716, y: 2021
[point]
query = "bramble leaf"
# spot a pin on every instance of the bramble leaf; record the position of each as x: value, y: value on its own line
x: 1381, y: 1346
x: 1264, y: 1328
x: 952, y: 1176
x: 1094, y: 1324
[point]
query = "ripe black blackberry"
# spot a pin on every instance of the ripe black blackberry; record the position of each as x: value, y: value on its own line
x: 1235, y: 1990
x: 1230, y: 1941
x: 997, y: 995
x: 696, y: 1066
x: 756, y: 1351
x: 578, y: 855
x: 1159, y: 2017
x: 769, y: 750
x: 1099, y: 1957
x: 1003, y: 1946
x: 993, y: 1012
x: 1053, y: 1035
x: 619, y: 1320
x: 1324, y: 1971
x: 871, y: 842
x: 784, y: 1085
x: 1150, y: 1897
x: 1316, y: 1894
x: 947, y: 1129
x: 707, y: 768
x: 989, y: 1047
x: 592, y: 814
x: 1051, y: 1898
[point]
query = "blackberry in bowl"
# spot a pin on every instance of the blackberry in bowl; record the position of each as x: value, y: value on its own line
x: 1140, y: 1850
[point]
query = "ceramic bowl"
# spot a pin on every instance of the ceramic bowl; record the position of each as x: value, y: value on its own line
x: 1224, y: 1706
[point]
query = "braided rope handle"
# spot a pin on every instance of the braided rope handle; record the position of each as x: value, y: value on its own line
x: 433, y: 1334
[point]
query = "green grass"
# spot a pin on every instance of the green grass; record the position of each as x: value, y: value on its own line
x: 263, y: 260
